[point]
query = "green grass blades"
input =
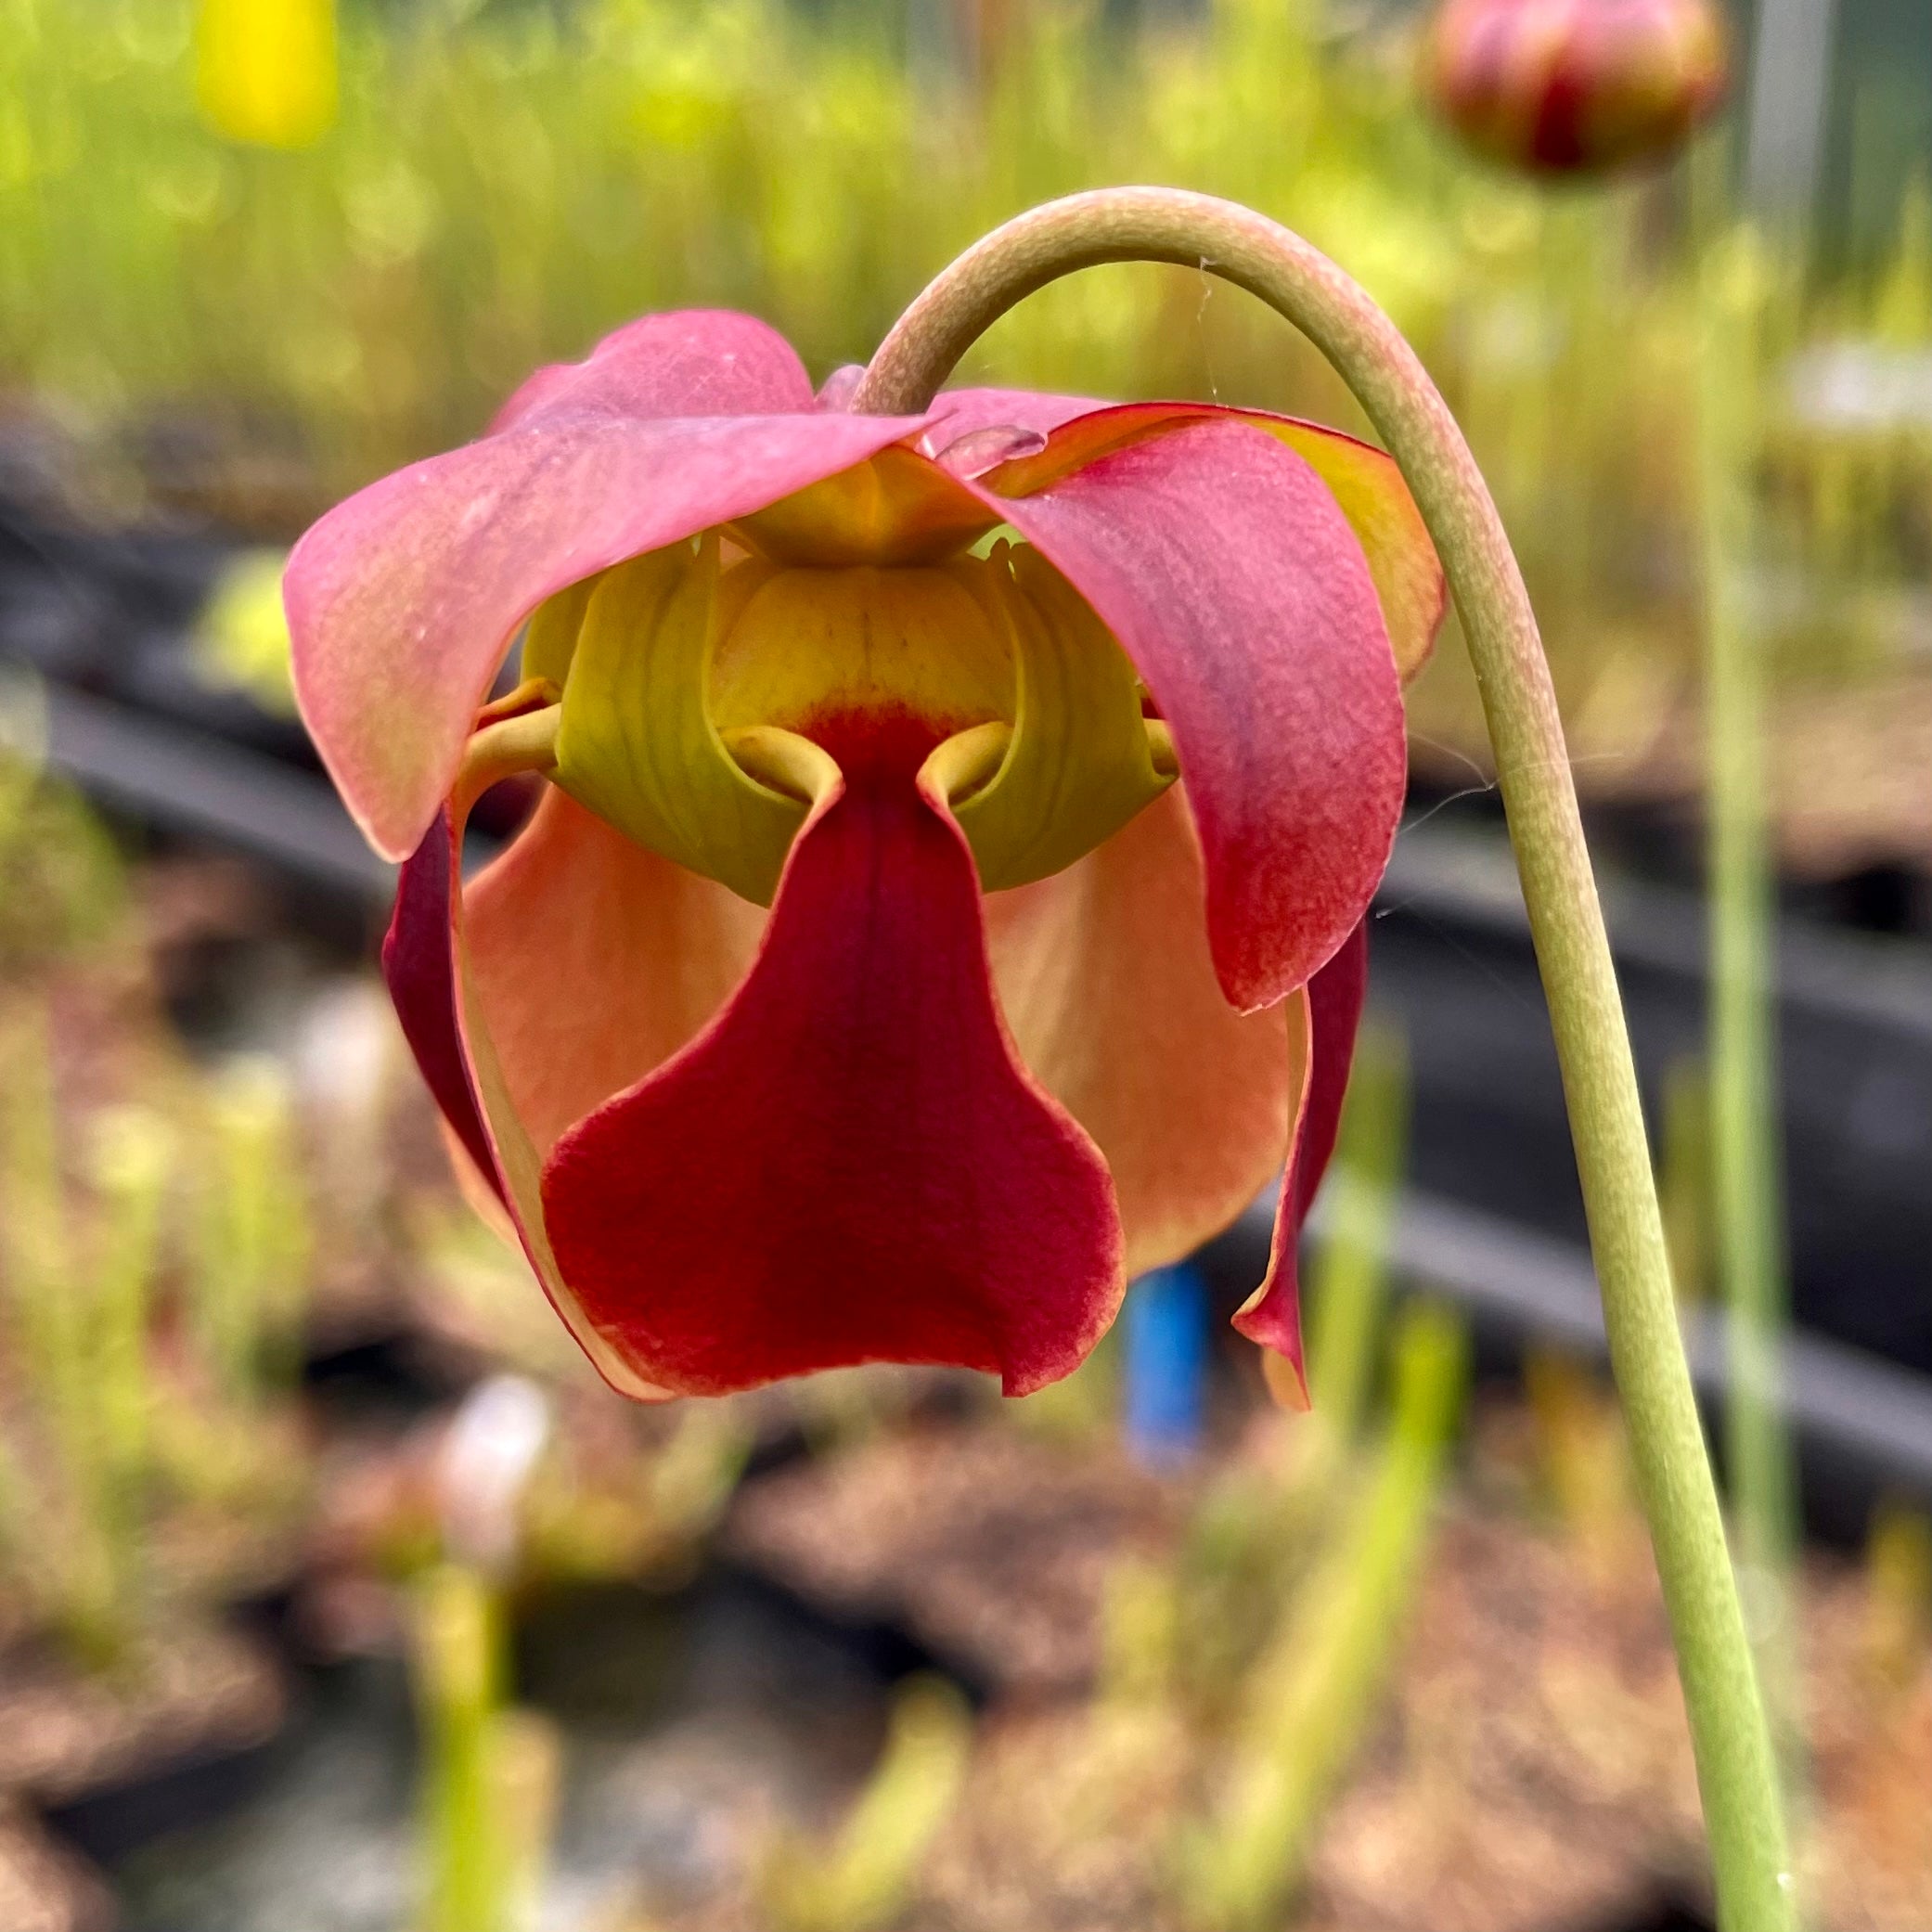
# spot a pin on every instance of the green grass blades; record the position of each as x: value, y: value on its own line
x: 490, y: 1773
x: 1311, y: 1693
x: 863, y: 1877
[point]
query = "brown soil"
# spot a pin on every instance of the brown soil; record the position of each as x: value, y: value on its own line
x: 989, y: 1546
x: 1868, y: 1717
x: 65, y: 1732
x: 44, y: 1888
x: 1529, y: 1773
x: 1530, y: 1768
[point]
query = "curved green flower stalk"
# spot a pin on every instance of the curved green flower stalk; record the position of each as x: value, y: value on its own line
x: 1732, y: 1742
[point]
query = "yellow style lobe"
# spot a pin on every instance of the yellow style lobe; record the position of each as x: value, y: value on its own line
x: 706, y: 706
x: 637, y: 745
x: 1080, y: 760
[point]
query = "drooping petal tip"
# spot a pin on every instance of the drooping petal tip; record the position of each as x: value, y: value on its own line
x: 1271, y: 1316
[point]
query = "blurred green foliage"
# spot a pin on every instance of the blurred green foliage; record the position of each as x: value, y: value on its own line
x: 60, y: 876
x: 251, y: 331
x: 155, y: 1254
x: 862, y: 1878
x: 503, y: 185
x: 143, y: 1413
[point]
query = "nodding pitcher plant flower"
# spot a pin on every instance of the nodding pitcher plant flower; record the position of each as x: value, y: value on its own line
x: 945, y: 895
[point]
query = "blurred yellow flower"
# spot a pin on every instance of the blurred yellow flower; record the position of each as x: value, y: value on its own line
x: 266, y: 69
x: 241, y: 638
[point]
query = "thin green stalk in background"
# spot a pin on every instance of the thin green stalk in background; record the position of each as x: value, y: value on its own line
x: 489, y: 1774
x: 77, y: 1582
x: 1246, y: 1532
x: 253, y: 1235
x: 131, y: 1164
x: 1736, y: 1770
x: 864, y: 1880
x: 1312, y: 1691
x: 459, y: 1673
x: 33, y: 1248
x: 78, y: 1313
x: 525, y: 1775
x: 1747, y: 1191
x: 133, y: 1158
x: 1349, y: 1279
x: 1684, y: 1175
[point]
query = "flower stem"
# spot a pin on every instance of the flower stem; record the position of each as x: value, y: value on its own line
x: 1732, y: 1746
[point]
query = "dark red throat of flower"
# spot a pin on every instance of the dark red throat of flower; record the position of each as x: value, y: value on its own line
x: 879, y: 750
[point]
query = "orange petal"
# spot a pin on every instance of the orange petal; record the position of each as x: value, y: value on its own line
x: 593, y: 960
x: 1108, y: 985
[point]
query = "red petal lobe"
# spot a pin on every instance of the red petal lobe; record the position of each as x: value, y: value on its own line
x: 849, y: 1163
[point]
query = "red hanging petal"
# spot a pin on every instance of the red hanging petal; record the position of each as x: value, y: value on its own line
x: 849, y: 1163
x: 418, y: 964
x: 1222, y: 564
x: 1272, y: 1314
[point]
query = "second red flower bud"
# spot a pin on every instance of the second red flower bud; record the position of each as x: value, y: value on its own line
x: 1576, y: 86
